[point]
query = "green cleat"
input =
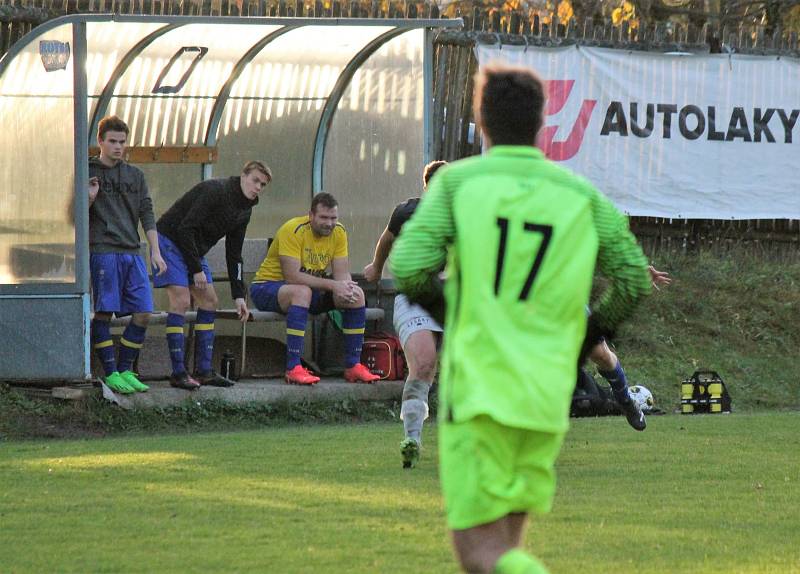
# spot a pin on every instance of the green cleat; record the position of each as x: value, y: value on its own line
x: 116, y: 383
x: 133, y: 382
x: 409, y: 449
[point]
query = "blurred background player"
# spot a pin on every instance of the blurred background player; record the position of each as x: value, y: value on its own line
x: 610, y: 368
x: 521, y: 237
x: 211, y: 210
x: 417, y: 330
x: 118, y: 201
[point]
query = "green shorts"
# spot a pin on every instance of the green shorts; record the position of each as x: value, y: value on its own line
x: 489, y: 470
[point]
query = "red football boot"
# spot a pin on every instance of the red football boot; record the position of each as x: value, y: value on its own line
x: 299, y: 375
x: 358, y: 373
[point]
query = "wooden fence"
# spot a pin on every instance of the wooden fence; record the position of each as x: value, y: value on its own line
x: 455, y: 135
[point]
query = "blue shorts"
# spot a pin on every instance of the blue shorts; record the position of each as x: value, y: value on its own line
x: 120, y: 283
x: 177, y: 273
x: 265, y: 297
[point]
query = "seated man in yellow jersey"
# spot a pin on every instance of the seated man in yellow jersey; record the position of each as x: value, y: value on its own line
x: 294, y: 279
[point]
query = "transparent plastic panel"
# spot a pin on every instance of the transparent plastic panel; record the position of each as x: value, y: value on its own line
x: 168, y: 92
x: 168, y: 182
x: 286, y: 144
x: 37, y: 237
x: 274, y: 112
x: 374, y: 155
x: 107, y: 43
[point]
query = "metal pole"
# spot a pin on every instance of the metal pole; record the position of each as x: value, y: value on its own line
x: 427, y: 81
x: 81, y: 179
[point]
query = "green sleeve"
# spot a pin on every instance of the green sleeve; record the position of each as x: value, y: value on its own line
x: 420, y: 252
x: 621, y: 260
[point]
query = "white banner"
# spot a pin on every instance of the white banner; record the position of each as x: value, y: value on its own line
x: 682, y: 136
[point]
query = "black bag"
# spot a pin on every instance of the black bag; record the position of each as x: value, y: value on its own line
x: 590, y: 399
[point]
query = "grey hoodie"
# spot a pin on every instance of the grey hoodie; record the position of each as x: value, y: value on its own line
x: 122, y: 202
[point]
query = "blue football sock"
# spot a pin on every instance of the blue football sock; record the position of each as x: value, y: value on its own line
x: 618, y: 382
x: 175, y: 342
x: 129, y: 346
x: 104, y: 345
x: 204, y: 340
x: 296, y: 319
x: 353, y: 321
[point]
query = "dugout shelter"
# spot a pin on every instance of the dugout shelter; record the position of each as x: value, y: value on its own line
x: 340, y: 105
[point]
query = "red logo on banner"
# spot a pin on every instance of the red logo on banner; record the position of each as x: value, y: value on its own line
x: 558, y: 92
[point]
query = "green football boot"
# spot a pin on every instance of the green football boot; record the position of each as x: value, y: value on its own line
x: 116, y: 383
x: 133, y: 382
x: 409, y: 450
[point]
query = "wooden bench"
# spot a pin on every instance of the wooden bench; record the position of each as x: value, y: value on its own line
x: 253, y: 253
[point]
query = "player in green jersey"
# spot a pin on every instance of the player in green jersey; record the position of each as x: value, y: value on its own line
x: 521, y: 237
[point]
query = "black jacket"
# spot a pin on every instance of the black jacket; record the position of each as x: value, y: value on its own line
x: 211, y: 210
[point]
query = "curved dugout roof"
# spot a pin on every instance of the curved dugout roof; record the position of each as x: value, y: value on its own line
x: 179, y: 96
x: 242, y: 87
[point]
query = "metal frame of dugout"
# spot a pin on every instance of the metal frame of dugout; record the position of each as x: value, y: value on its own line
x: 61, y: 78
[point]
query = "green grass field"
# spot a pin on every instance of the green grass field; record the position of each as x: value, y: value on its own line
x: 692, y: 494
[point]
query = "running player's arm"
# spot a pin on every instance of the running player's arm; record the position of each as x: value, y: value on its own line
x: 420, y: 251
x: 621, y: 260
x: 374, y: 269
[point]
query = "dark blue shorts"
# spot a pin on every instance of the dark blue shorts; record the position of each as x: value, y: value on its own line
x: 265, y: 297
x: 120, y: 283
x: 177, y: 273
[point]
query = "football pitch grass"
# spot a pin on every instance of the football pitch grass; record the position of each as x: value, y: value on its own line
x: 714, y: 493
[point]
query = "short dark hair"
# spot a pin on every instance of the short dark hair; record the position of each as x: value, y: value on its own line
x: 255, y: 164
x: 111, y: 124
x: 509, y: 104
x: 325, y: 199
x: 430, y: 169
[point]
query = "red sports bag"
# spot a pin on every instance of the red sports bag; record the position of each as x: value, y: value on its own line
x: 383, y: 355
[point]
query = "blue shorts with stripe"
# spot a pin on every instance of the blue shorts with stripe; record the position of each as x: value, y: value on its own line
x: 177, y: 272
x: 120, y: 283
x: 265, y: 296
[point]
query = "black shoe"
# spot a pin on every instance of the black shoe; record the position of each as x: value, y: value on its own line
x: 183, y: 381
x: 212, y: 379
x: 634, y: 414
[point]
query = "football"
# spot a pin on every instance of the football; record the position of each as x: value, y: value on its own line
x: 644, y: 397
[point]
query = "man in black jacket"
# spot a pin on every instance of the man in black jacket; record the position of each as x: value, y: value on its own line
x: 211, y: 210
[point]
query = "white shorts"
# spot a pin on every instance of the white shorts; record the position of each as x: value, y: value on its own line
x: 410, y: 318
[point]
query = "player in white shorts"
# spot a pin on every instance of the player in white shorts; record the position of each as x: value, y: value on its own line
x: 418, y: 333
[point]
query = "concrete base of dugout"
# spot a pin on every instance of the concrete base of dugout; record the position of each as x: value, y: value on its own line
x: 268, y: 391
x: 262, y: 381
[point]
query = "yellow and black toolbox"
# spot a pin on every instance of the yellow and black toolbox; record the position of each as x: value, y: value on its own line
x: 704, y: 392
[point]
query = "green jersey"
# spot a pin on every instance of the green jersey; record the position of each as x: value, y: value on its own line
x: 521, y: 237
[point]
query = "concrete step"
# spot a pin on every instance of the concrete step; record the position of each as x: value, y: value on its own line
x: 270, y: 391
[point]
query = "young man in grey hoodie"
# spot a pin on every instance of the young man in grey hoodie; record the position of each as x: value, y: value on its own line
x: 118, y: 201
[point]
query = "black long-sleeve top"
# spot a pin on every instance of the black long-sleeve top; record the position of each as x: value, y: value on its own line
x: 211, y: 210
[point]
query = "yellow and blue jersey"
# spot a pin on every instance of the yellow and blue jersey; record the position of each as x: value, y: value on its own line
x: 296, y: 239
